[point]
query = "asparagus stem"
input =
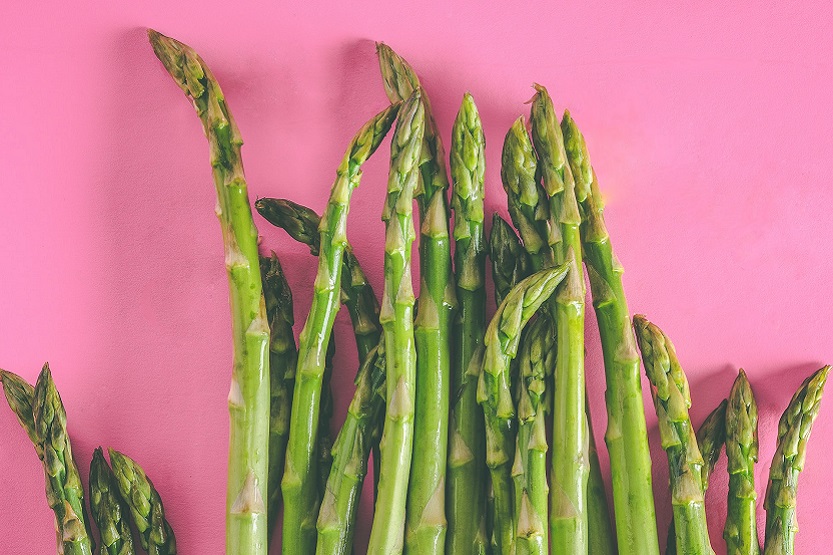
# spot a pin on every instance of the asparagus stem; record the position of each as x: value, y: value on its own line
x: 146, y: 510
x: 741, y: 530
x: 669, y: 389
x: 246, y: 519
x: 396, y: 317
x: 467, y: 442
x: 425, y: 527
x: 108, y: 509
x: 601, y: 537
x: 793, y: 433
x: 626, y: 435
x: 510, y: 262
x: 570, y: 470
x: 494, y: 392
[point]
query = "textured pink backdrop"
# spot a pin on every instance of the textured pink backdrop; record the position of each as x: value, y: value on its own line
x: 710, y: 129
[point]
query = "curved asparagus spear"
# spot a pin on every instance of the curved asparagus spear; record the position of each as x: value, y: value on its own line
x: 387, y: 532
x: 467, y: 443
x: 337, y: 517
x: 741, y: 530
x: 246, y: 520
x: 20, y: 394
x: 145, y: 505
x: 494, y: 391
x: 669, y: 388
x: 793, y: 432
x: 425, y: 526
x: 570, y: 470
x: 510, y: 262
x: 108, y: 509
x: 626, y: 435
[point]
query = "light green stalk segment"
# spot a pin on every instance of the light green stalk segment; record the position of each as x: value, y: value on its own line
x: 494, y: 392
x: 741, y: 530
x: 466, y: 501
x: 570, y: 465
x: 626, y: 435
x: 396, y: 316
x: 339, y: 509
x: 425, y: 528
x: 669, y: 389
x: 108, y: 509
x: 246, y: 519
x: 145, y: 505
x: 793, y: 433
x: 510, y: 262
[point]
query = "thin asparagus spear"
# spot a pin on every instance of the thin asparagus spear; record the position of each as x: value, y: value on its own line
x: 741, y: 530
x: 246, y: 520
x: 793, y: 433
x: 108, y: 509
x: 146, y: 510
x: 337, y: 517
x: 626, y: 435
x: 570, y: 470
x: 494, y: 392
x: 425, y: 527
x: 467, y: 442
x: 20, y: 395
x: 601, y: 537
x: 510, y: 262
x: 669, y: 388
x: 710, y: 439
x: 388, y: 529
x: 283, y: 356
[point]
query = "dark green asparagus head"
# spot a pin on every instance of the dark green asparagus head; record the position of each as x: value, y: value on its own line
x: 278, y: 298
x: 577, y: 156
x: 20, y: 395
x: 405, y: 156
x: 108, y: 509
x: 300, y: 222
x: 367, y: 140
x: 710, y: 438
x: 742, y: 427
x: 510, y: 262
x: 468, y: 168
x: 549, y: 143
x: 399, y: 77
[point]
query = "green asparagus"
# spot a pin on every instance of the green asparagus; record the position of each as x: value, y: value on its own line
x: 108, y: 509
x: 669, y: 389
x: 20, y: 395
x: 510, y: 262
x: 793, y: 433
x: 601, y: 537
x: 396, y: 317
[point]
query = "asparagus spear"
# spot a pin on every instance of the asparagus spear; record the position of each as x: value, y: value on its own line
x: 108, y: 509
x: 669, y: 389
x: 425, y: 526
x: 20, y: 395
x: 337, y: 517
x: 741, y: 530
x: 793, y: 432
x: 146, y: 510
x: 396, y: 317
x: 467, y: 443
x: 501, y: 346
x: 246, y: 521
x: 570, y: 471
x: 601, y: 537
x: 510, y: 262
x: 626, y: 435
x: 283, y: 355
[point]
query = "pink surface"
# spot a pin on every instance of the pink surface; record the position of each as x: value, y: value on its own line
x: 710, y: 129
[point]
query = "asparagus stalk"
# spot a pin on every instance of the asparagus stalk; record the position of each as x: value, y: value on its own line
x: 246, y: 519
x: 570, y: 470
x: 741, y: 530
x: 626, y: 435
x: 108, y: 509
x: 510, y: 262
x: 146, y: 510
x: 793, y: 433
x: 425, y: 527
x: 669, y: 389
x: 494, y: 392
x: 601, y: 537
x: 337, y: 517
x: 396, y: 317
x: 467, y: 442
x: 20, y: 395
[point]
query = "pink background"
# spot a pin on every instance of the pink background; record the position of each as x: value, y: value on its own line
x: 710, y: 129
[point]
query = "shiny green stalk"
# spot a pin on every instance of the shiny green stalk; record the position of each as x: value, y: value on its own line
x: 510, y: 262
x: 108, y: 510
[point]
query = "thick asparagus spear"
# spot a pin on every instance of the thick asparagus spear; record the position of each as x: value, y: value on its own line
x: 20, y: 395
x: 570, y: 470
x: 467, y: 442
x: 494, y: 392
x: 108, y: 509
x: 793, y: 433
x: 425, y: 526
x: 246, y: 521
x: 669, y: 388
x: 145, y: 505
x: 626, y: 435
x: 510, y: 262
x: 388, y: 529
x: 741, y: 530
x: 337, y: 517
x: 283, y: 355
